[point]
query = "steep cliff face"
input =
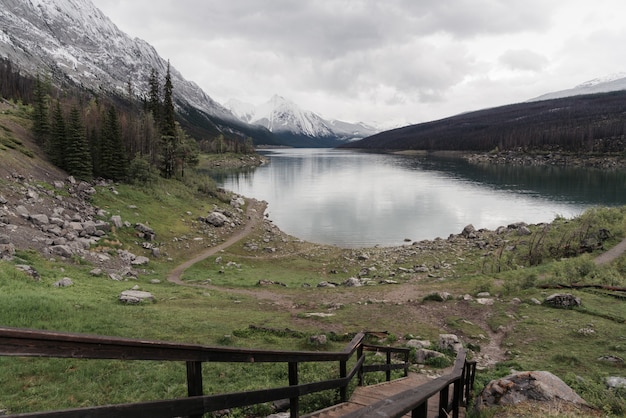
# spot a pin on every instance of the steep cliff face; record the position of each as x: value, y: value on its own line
x: 72, y: 39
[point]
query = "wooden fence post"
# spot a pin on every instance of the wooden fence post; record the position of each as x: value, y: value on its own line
x: 294, y: 403
x: 194, y: 380
x: 343, y: 372
x: 388, y: 373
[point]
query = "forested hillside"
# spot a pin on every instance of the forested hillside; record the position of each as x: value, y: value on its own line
x: 590, y: 124
x: 120, y: 137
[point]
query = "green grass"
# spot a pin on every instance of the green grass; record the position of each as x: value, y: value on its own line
x: 221, y: 313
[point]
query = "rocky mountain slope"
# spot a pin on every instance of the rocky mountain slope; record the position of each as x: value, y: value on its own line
x: 280, y: 115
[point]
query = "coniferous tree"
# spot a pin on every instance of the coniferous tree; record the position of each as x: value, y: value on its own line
x: 41, y: 124
x: 56, y: 147
x: 168, y: 129
x: 112, y: 157
x: 154, y: 98
x: 77, y: 157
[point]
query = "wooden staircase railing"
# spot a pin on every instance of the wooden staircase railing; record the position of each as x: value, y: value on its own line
x: 36, y: 343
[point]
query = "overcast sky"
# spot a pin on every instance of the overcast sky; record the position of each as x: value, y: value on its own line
x: 385, y: 61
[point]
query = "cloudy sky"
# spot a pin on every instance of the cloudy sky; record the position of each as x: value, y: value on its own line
x: 385, y: 62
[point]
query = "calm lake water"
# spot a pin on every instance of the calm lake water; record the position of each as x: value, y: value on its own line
x: 355, y: 199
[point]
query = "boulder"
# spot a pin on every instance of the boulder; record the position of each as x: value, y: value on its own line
x: 116, y: 220
x: 40, y: 219
x: 424, y: 354
x: 318, y: 340
x: 450, y: 342
x: 145, y: 232
x: 134, y: 297
x: 616, y: 382
x: 216, y: 219
x: 562, y: 300
x: 527, y: 386
x: 418, y: 344
x: 469, y: 231
x: 64, y: 282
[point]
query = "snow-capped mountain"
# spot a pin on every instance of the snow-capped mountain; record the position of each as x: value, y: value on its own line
x: 280, y: 115
x: 613, y: 82
x: 74, y: 39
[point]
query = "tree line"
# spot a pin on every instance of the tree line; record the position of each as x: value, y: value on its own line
x: 123, y: 138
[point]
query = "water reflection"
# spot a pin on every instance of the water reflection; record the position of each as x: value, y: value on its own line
x: 354, y: 199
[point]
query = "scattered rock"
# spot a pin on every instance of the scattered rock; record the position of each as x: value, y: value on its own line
x: 64, y: 282
x: 616, y: 382
x: 424, y: 354
x: 29, y: 270
x: 562, y: 300
x: 318, y: 340
x: 216, y: 219
x: 418, y: 344
x: 134, y: 297
x: 450, y: 342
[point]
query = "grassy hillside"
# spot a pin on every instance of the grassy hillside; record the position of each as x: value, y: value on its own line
x: 248, y: 294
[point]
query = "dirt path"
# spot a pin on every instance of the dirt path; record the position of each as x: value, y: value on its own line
x: 611, y: 254
x: 254, y: 213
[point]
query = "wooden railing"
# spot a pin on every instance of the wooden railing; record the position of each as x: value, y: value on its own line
x: 416, y: 400
x: 36, y: 343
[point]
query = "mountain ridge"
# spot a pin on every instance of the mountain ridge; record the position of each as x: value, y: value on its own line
x: 280, y: 115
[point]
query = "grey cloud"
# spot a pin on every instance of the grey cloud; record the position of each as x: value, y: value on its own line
x: 523, y: 59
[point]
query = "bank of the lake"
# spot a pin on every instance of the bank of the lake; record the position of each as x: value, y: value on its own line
x: 363, y: 199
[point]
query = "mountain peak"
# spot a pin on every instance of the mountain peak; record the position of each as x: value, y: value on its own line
x: 281, y: 115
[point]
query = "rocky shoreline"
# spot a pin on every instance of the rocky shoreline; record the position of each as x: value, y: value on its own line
x: 556, y: 159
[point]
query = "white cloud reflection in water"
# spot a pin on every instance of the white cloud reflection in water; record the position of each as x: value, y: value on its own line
x: 353, y: 199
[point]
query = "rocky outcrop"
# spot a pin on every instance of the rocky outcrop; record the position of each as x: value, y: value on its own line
x: 563, y: 300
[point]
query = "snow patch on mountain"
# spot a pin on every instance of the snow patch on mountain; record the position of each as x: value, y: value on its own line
x: 280, y: 115
x: 612, y: 82
x: 73, y: 39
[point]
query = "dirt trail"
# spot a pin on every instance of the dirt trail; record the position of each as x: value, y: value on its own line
x: 254, y: 213
x: 611, y: 254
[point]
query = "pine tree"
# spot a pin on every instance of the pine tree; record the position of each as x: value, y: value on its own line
x: 41, y: 123
x: 168, y: 129
x: 56, y: 146
x: 112, y: 159
x: 77, y: 157
x: 154, y: 99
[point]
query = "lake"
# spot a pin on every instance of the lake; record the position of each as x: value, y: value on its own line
x: 356, y: 199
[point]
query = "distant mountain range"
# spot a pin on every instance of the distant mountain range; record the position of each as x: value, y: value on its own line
x: 613, y: 82
x: 75, y: 42
x: 280, y: 115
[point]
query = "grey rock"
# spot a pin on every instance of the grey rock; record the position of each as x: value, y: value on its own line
x: 216, y: 219
x: 140, y: 261
x: 527, y: 386
x: 134, y: 297
x: 450, y: 342
x: 418, y: 344
x: 40, y: 219
x: 64, y: 282
x: 318, y: 340
x: 616, y: 382
x: 352, y: 282
x: 7, y: 251
x: 61, y: 250
x: 116, y: 220
x: 562, y: 300
x: 424, y: 354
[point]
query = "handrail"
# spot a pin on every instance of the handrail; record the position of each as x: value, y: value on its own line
x: 415, y: 400
x: 37, y: 343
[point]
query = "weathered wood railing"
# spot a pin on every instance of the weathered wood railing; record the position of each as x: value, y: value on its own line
x: 416, y: 400
x: 35, y: 343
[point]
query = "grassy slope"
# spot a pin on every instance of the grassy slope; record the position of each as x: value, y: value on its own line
x: 537, y: 337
